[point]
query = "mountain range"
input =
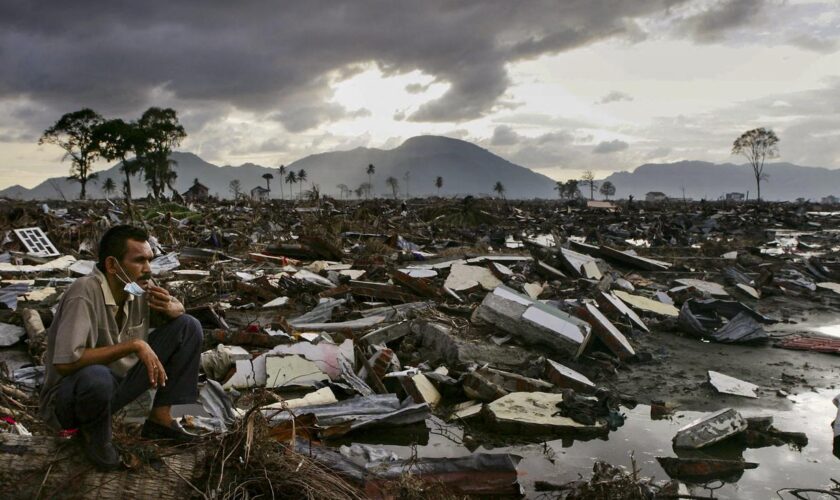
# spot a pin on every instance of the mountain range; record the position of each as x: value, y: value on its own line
x: 465, y: 169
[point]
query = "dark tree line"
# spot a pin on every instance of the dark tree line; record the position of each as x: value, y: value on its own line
x: 142, y: 146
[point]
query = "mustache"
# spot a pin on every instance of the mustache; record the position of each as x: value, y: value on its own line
x: 146, y: 277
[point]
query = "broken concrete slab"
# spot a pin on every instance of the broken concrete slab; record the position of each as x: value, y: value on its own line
x: 58, y: 264
x: 533, y: 289
x: 607, y: 332
x: 324, y: 354
x: 725, y: 384
x: 278, y: 302
x: 421, y: 389
x: 323, y: 396
x: 615, y: 308
x: 647, y: 305
x: 82, y: 267
x: 752, y: 292
x: 634, y: 260
x: 710, y: 429
x: 466, y: 410
x: 581, y: 265
x: 513, y: 382
x: 565, y: 378
x: 827, y: 285
x: 709, y: 287
x: 464, y: 277
x: 386, y: 334
x: 534, y: 412
x: 533, y: 322
x: 352, y: 325
x: 419, y: 273
x: 292, y: 370
x: 436, y: 343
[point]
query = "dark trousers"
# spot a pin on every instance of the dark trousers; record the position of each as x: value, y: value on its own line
x: 87, y: 398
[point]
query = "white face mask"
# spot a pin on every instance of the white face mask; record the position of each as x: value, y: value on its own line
x: 131, y: 287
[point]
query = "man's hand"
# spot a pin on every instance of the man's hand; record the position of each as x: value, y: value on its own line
x: 161, y: 301
x: 154, y: 368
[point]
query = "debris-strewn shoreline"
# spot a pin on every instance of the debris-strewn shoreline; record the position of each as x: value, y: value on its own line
x: 524, y: 321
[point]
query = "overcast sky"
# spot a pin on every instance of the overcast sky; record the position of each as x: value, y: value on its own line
x: 557, y: 86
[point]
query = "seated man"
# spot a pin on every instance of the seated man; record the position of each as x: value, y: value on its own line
x: 101, y: 331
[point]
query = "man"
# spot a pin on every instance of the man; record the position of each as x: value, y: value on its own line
x: 100, y: 355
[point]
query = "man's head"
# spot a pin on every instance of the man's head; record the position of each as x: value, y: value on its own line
x: 125, y: 253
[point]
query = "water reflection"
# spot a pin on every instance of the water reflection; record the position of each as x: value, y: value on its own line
x: 567, y: 459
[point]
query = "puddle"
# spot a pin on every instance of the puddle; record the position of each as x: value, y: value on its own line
x: 563, y: 460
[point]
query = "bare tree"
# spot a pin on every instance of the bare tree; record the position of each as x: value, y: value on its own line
x: 343, y: 190
x: 756, y: 145
x: 588, y: 178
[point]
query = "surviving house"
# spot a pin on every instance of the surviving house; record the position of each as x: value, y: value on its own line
x: 735, y: 197
x: 655, y: 196
x: 198, y: 192
x: 259, y: 193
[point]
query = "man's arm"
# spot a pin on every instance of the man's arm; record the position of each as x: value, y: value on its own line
x: 108, y: 354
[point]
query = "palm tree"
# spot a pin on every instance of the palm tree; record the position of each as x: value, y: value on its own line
x: 282, y: 171
x: 268, y: 178
x: 499, y: 188
x: 302, y: 178
x: 109, y: 187
x: 394, y: 184
x: 370, y: 171
x: 439, y: 184
x: 291, y: 178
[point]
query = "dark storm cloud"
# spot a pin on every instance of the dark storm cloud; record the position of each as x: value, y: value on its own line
x: 280, y: 59
x: 713, y: 23
x: 607, y: 147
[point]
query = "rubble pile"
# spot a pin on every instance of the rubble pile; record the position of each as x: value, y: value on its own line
x: 525, y: 321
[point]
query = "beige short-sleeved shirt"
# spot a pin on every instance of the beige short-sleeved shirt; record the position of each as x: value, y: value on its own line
x: 86, y: 317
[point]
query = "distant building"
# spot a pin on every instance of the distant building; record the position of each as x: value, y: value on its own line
x: 735, y: 197
x: 830, y: 200
x: 655, y: 196
x: 198, y: 192
x: 259, y: 193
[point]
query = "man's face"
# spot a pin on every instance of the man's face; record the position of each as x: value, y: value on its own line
x: 136, y: 261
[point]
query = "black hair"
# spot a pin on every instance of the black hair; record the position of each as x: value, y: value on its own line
x: 114, y: 242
